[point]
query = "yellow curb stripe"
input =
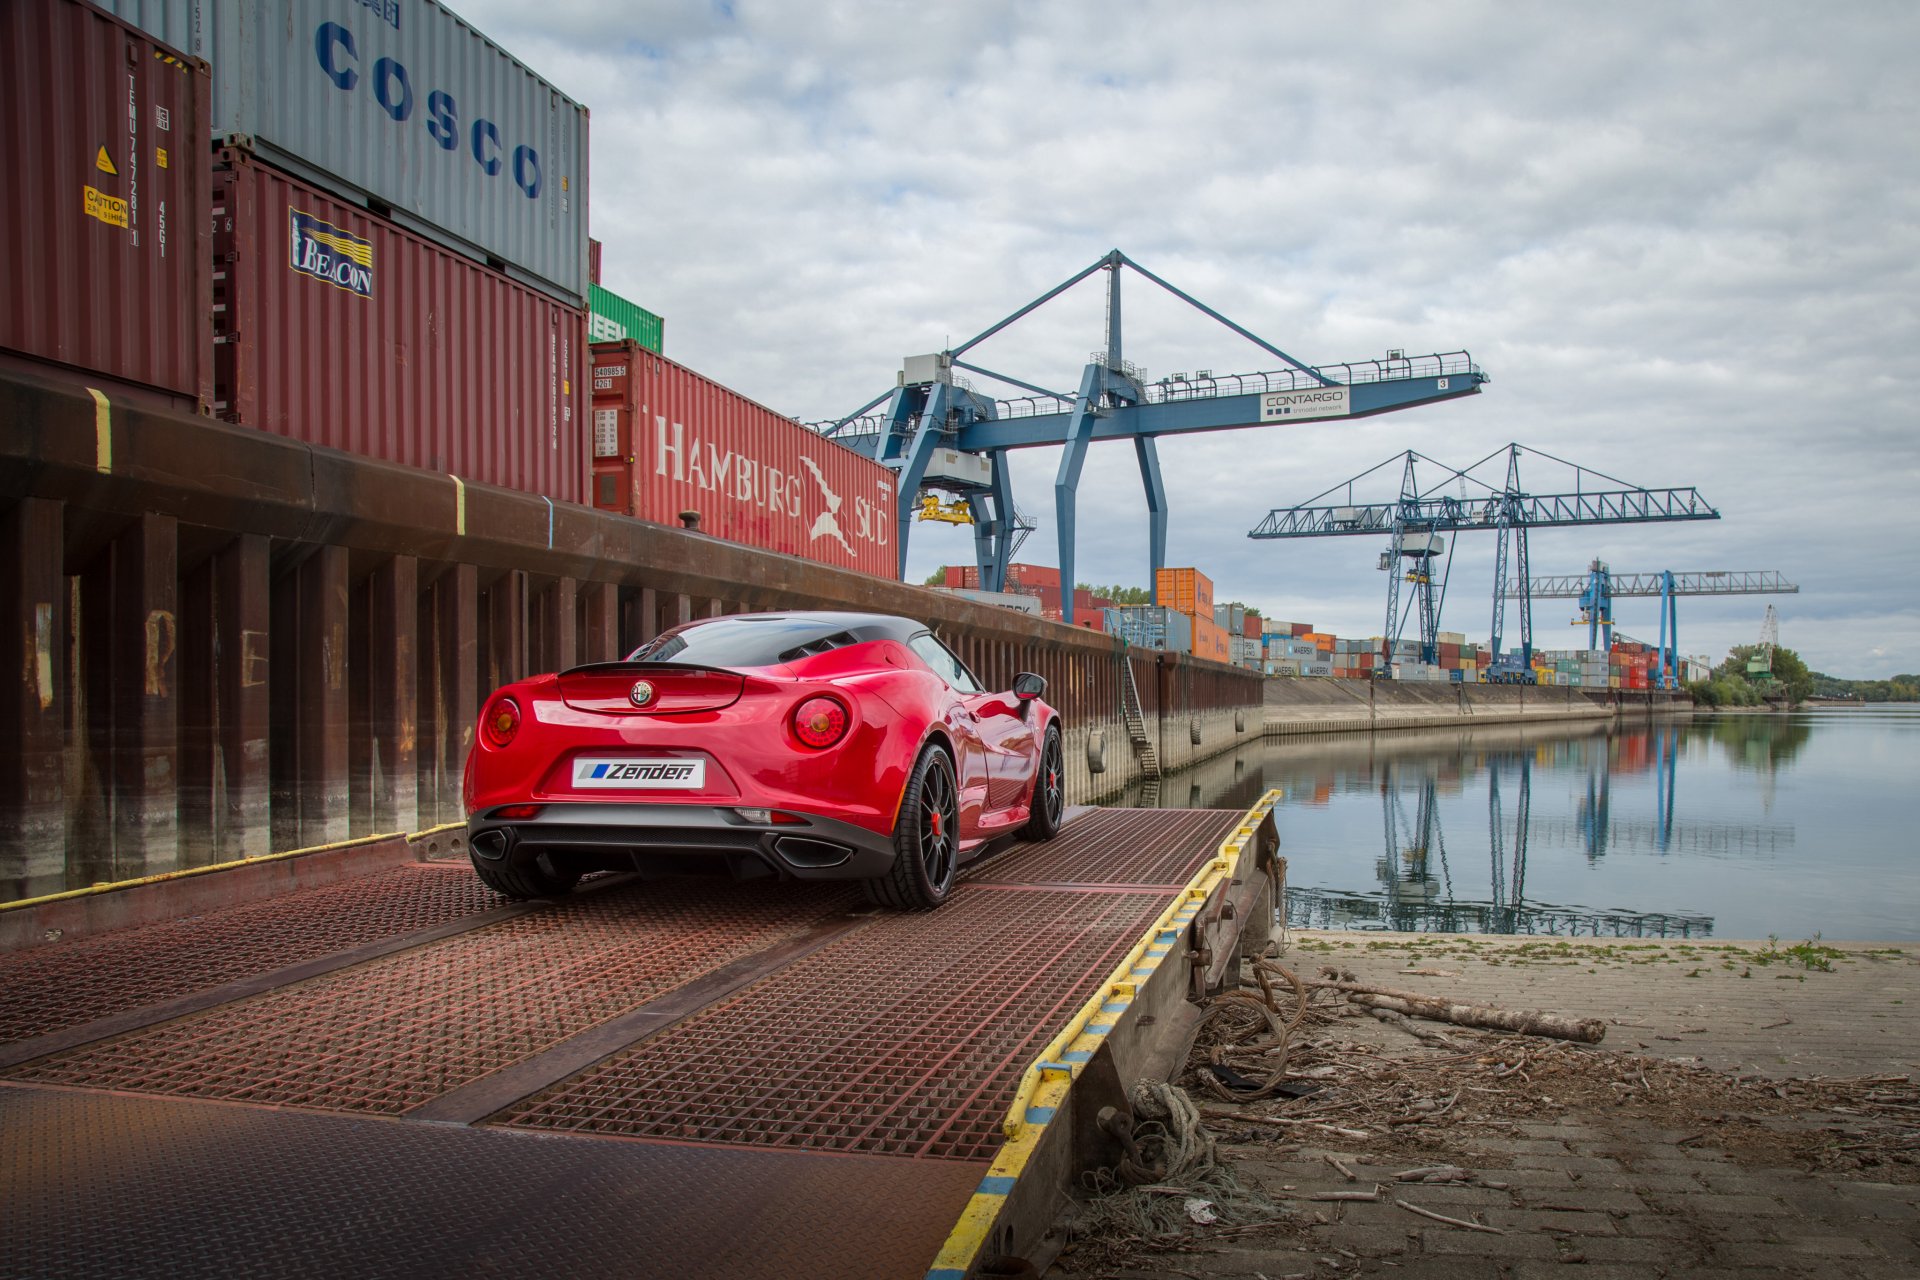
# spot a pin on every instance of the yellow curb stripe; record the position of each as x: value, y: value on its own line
x: 1044, y: 1087
x: 190, y: 872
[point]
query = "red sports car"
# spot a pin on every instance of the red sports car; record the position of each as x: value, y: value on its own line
x: 811, y: 745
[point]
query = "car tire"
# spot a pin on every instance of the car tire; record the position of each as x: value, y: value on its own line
x: 1049, y: 800
x: 926, y: 839
x: 535, y: 877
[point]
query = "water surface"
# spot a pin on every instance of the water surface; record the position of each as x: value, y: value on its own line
x: 1727, y: 826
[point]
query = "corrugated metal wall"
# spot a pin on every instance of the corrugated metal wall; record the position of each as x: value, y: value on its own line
x: 404, y: 101
x: 103, y: 214
x: 667, y: 440
x: 340, y: 329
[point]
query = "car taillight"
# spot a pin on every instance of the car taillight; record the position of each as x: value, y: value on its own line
x: 819, y: 722
x: 519, y: 812
x: 502, y: 721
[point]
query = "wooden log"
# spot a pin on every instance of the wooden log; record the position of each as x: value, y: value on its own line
x: 1531, y: 1022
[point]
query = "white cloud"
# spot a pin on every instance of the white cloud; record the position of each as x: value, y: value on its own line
x: 1685, y: 242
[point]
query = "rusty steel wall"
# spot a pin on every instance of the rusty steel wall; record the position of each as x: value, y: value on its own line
x: 103, y: 213
x: 236, y: 643
x: 667, y: 440
x: 339, y: 328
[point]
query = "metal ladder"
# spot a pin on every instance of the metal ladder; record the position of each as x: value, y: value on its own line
x: 1136, y: 721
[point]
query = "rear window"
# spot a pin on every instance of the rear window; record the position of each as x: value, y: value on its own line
x: 746, y: 641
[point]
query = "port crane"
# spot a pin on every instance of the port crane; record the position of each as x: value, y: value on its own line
x: 1599, y: 586
x: 1458, y: 501
x: 938, y: 433
x: 1760, y: 665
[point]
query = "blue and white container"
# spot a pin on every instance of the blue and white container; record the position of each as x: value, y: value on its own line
x: 401, y: 106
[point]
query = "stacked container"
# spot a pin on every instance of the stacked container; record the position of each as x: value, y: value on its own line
x: 108, y: 264
x: 669, y: 445
x: 405, y: 109
x: 337, y: 327
x: 1149, y: 626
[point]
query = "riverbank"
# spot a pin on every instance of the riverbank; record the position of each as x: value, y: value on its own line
x: 1301, y: 706
x: 1747, y: 1114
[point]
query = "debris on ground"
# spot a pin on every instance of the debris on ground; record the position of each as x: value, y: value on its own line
x: 1303, y: 1065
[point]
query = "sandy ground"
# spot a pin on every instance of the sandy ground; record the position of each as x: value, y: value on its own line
x: 1751, y: 1111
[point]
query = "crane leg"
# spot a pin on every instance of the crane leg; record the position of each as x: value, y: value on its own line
x: 993, y: 526
x: 919, y: 452
x: 1149, y: 456
x: 1066, y: 481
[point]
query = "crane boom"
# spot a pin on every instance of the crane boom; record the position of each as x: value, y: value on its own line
x: 1713, y: 582
x: 1536, y: 511
x: 936, y: 432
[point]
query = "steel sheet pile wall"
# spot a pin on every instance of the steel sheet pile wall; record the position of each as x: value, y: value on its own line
x: 338, y: 328
x: 403, y: 101
x: 103, y: 213
x: 667, y: 441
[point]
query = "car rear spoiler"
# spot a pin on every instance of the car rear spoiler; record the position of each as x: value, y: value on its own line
x: 642, y: 668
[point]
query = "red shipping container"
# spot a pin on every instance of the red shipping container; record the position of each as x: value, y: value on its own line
x: 1250, y: 630
x: 1302, y: 629
x: 335, y: 327
x: 667, y: 440
x: 107, y: 266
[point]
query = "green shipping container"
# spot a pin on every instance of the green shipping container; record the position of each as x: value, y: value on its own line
x: 611, y: 318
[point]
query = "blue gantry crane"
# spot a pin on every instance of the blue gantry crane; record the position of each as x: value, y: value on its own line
x: 1456, y: 501
x: 1599, y: 586
x: 940, y: 434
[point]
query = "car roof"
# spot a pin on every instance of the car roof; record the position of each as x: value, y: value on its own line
x: 764, y: 639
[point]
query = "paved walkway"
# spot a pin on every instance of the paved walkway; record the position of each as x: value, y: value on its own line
x: 1596, y: 1192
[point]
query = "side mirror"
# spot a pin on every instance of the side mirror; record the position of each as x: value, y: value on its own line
x: 1027, y: 686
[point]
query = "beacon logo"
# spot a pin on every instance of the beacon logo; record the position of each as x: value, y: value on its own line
x: 326, y: 252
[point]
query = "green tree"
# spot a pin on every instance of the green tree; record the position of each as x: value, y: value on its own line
x: 938, y: 578
x: 1732, y: 686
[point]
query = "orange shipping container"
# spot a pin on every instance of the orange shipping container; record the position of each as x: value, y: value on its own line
x: 1186, y: 590
x: 1210, y: 640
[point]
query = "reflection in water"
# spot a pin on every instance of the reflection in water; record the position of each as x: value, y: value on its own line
x: 1435, y: 867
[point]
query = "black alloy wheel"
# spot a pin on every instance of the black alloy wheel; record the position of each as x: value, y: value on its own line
x: 1049, y: 790
x: 926, y: 839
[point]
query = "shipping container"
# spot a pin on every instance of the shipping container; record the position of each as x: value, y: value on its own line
x: 1152, y: 627
x: 611, y: 318
x: 1188, y: 590
x: 1210, y: 640
x: 108, y: 259
x: 667, y: 440
x: 403, y: 102
x: 339, y: 328
x: 1004, y: 599
x: 1251, y: 629
x: 1020, y: 577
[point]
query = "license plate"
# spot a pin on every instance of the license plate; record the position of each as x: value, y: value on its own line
x: 630, y: 774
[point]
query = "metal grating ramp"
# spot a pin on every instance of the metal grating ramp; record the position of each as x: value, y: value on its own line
x: 1156, y: 847
x: 395, y: 1033
x: 103, y: 1188
x: 51, y: 988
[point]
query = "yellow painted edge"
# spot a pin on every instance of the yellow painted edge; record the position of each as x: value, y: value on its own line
x: 434, y: 831
x: 1039, y: 1088
x: 459, y: 504
x: 102, y: 433
x: 190, y: 872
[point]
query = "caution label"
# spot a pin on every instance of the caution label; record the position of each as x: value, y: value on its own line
x: 160, y: 157
x: 105, y: 164
x: 111, y: 210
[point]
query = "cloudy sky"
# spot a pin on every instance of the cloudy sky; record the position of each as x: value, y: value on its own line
x: 1682, y: 239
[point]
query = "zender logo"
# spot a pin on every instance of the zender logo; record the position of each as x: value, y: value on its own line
x: 326, y: 252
